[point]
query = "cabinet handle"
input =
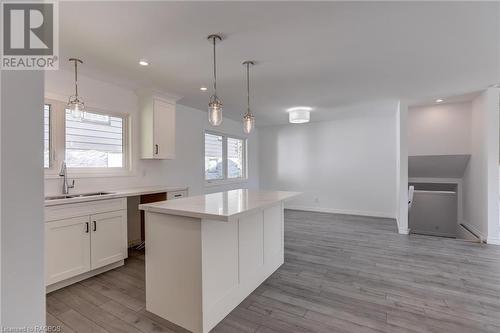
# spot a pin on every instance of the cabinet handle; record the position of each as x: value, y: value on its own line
x: 177, y: 195
x: 157, y: 149
x: 95, y: 225
x: 87, y: 227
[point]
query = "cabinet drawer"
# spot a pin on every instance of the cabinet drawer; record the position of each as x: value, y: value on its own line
x: 69, y: 210
x: 176, y: 195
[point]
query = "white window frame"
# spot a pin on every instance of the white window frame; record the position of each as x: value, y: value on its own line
x: 225, y: 179
x: 58, y: 144
x: 51, y: 138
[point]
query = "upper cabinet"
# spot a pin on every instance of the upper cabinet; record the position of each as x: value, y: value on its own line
x: 157, y: 128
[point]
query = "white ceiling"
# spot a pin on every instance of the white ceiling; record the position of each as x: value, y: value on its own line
x: 325, y: 55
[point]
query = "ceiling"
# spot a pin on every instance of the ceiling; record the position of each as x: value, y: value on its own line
x: 321, y: 54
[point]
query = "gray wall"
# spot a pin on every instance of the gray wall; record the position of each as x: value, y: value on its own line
x: 345, y: 165
x: 21, y: 199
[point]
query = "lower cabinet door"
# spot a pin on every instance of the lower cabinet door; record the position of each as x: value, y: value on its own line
x: 109, y: 238
x: 67, y: 248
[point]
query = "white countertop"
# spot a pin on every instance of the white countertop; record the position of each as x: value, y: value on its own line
x: 221, y: 206
x: 129, y: 192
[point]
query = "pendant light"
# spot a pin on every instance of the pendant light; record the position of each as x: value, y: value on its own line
x: 75, y: 103
x: 248, y: 118
x: 215, y: 104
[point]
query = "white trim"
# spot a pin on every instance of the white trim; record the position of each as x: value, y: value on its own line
x: 225, y: 180
x: 432, y: 233
x: 83, y: 276
x: 221, y: 182
x: 403, y: 231
x: 493, y: 241
x: 57, y: 132
x: 340, y: 211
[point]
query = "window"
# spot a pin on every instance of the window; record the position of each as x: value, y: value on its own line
x: 94, y: 141
x: 46, y: 136
x: 214, y: 168
x: 235, y: 158
x: 224, y: 157
x: 95, y: 144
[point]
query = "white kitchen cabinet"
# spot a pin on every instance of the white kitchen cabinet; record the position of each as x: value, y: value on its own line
x: 108, y: 241
x: 84, y: 239
x: 67, y: 248
x: 176, y: 195
x: 157, y: 128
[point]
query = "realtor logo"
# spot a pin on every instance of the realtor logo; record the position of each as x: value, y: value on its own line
x: 30, y: 35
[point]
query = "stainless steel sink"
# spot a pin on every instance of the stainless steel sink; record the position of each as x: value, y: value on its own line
x: 58, y: 197
x: 82, y: 195
x: 90, y: 194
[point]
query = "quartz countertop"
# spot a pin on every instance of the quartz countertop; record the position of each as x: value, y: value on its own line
x: 221, y: 206
x: 120, y: 193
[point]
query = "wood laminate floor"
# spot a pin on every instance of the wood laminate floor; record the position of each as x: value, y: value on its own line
x: 341, y: 274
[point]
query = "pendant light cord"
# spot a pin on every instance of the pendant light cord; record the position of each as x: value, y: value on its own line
x: 76, y: 78
x: 215, y: 70
x: 248, y: 88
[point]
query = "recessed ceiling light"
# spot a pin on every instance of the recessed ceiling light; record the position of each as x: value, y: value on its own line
x: 439, y: 100
x: 203, y: 88
x: 299, y: 114
x: 143, y: 62
x: 300, y: 108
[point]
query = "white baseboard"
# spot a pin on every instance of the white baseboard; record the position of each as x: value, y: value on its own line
x: 339, y: 211
x: 493, y: 240
x: 81, y: 277
x: 403, y: 231
x: 432, y: 233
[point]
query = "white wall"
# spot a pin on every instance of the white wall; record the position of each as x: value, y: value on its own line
x: 186, y: 169
x: 402, y: 167
x: 442, y: 129
x: 22, y: 229
x: 346, y: 165
x: 480, y: 182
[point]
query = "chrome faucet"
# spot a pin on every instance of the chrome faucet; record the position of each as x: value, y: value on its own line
x: 64, y: 173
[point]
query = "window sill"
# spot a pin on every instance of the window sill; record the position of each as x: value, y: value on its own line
x: 91, y: 174
x: 223, y: 182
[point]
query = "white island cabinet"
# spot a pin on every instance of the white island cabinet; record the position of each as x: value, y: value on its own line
x: 205, y: 254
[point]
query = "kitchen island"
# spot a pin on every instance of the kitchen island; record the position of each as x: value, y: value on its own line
x: 205, y: 254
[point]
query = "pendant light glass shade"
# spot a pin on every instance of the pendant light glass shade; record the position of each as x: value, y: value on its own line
x: 215, y: 104
x: 248, y: 123
x: 75, y: 103
x: 215, y: 111
x: 248, y: 118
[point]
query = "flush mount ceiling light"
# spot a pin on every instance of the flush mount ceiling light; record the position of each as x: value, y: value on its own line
x: 203, y: 88
x: 143, y: 62
x: 439, y: 100
x: 299, y: 114
x: 215, y: 104
x: 75, y: 103
x: 248, y: 118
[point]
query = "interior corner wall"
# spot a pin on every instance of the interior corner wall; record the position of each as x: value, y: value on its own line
x: 442, y: 129
x: 402, y: 167
x: 21, y: 199
x: 343, y: 165
x: 481, y: 177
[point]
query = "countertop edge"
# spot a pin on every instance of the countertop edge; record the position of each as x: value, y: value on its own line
x: 152, y: 207
x: 120, y: 193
